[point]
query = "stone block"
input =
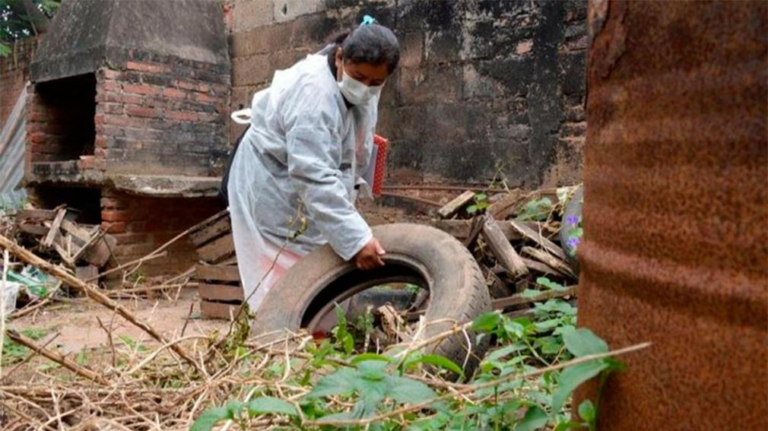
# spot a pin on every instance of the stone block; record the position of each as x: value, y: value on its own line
x: 261, y: 40
x: 411, y: 49
x: 252, y: 13
x: 256, y: 69
x: 287, y: 10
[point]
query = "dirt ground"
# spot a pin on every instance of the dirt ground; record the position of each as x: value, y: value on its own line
x: 77, y: 323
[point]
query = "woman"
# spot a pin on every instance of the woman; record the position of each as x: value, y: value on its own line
x: 295, y: 176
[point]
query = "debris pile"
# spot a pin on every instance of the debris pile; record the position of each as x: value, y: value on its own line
x: 525, y: 243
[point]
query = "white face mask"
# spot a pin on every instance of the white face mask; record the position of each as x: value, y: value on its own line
x: 355, y: 91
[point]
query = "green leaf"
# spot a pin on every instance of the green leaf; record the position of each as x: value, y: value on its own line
x: 587, y: 411
x: 472, y: 209
x: 4, y: 50
x: 570, y: 425
x: 571, y: 378
x: 504, y: 351
x: 583, y: 342
x: 514, y: 328
x: 405, y: 390
x: 267, y: 405
x: 486, y: 321
x: 372, y: 370
x: 441, y: 362
x: 530, y: 293
x: 209, y: 418
x: 535, y: 418
x: 371, y: 357
x: 340, y: 382
x: 544, y: 281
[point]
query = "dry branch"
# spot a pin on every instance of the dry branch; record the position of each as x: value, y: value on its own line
x: 56, y: 357
x: 92, y: 292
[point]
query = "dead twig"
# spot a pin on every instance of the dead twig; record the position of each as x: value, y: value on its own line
x: 56, y: 357
x: 93, y: 292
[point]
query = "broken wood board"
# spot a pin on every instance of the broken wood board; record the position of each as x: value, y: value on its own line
x: 86, y: 272
x: 455, y: 205
x: 100, y: 252
x: 538, y: 238
x: 220, y: 292
x: 33, y: 229
x: 218, y: 310
x: 502, y: 249
x: 217, y: 250
x: 36, y: 215
x: 211, y: 231
x: 200, y: 234
x: 54, y: 228
x: 537, y: 266
x: 217, y: 273
x: 505, y: 207
x: 548, y: 259
x: 519, y: 299
x: 461, y: 229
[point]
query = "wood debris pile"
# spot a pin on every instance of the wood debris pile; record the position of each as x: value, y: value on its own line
x: 516, y: 238
x: 83, y: 248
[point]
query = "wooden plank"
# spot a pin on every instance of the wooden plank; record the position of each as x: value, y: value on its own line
x: 453, y: 206
x: 217, y: 273
x: 99, y: 253
x: 538, y: 238
x: 209, y: 221
x: 211, y: 231
x: 55, y: 226
x: 33, y: 229
x: 461, y: 229
x: 36, y: 215
x: 542, y: 268
x: 505, y: 207
x: 502, y: 249
x: 217, y: 250
x: 474, y: 231
x: 86, y: 272
x: 552, y: 261
x: 220, y: 292
x: 218, y: 310
x: 76, y: 230
x: 519, y: 299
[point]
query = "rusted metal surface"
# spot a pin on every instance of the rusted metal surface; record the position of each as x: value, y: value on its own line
x: 676, y: 211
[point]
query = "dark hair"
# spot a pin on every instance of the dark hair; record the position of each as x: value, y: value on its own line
x: 370, y: 43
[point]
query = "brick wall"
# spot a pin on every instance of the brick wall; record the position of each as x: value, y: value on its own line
x: 14, y: 72
x: 162, y: 115
x: 142, y: 224
x: 150, y: 115
x: 485, y: 85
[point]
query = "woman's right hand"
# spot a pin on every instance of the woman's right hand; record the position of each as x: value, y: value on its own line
x: 369, y: 257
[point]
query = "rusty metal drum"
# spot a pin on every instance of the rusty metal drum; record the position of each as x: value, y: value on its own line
x: 676, y: 211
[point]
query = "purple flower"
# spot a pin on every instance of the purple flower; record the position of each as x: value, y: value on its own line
x: 572, y: 220
x: 573, y: 242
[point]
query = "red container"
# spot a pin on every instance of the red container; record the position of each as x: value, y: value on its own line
x: 380, y: 170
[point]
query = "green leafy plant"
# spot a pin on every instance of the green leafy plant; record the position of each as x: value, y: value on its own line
x: 481, y: 203
x: 536, y: 210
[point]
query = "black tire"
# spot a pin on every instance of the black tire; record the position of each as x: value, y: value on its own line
x: 415, y: 253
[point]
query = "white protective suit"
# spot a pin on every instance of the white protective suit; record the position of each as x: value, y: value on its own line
x: 301, y: 158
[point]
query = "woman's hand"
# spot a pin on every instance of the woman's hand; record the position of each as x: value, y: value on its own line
x: 369, y: 257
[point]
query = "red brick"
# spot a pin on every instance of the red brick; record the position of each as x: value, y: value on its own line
x: 144, y: 67
x: 181, y: 116
x: 38, y: 138
x: 202, y: 97
x: 141, y: 89
x: 114, y: 215
x: 140, y: 111
x: 174, y: 93
x: 100, y: 142
x: 113, y: 227
x: 111, y: 203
